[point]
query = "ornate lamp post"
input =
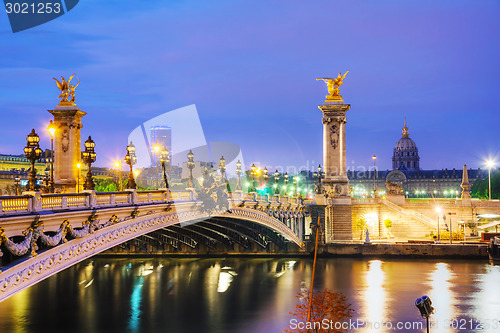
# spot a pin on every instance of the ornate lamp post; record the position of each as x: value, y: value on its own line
x: 131, y: 159
x: 32, y: 152
x: 156, y: 149
x: 286, y: 181
x: 89, y: 157
x: 222, y: 168
x: 296, y: 180
x: 190, y: 165
x: 253, y: 170
x: 118, y: 165
x: 78, y: 167
x: 165, y: 158
x: 17, y: 182
x: 490, y: 164
x: 265, y: 175
x: 276, y: 180
x: 52, y: 131
x: 238, y: 173
x: 46, y: 178
x: 320, y: 175
x: 374, y: 178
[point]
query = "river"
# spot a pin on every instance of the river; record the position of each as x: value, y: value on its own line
x: 253, y: 295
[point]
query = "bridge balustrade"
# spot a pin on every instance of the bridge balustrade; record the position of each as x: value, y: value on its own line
x: 14, y: 205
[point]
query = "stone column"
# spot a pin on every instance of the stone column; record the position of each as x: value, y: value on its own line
x: 334, y: 148
x: 338, y: 219
x: 67, y: 146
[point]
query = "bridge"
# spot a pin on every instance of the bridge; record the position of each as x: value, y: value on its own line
x: 42, y: 234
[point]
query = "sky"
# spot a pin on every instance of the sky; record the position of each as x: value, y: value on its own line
x: 250, y: 69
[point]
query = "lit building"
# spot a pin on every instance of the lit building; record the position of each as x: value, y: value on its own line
x: 407, y: 173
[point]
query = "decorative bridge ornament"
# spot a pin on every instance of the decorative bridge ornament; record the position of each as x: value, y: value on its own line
x: 96, y: 222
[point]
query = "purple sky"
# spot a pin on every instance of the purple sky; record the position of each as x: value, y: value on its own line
x: 250, y: 68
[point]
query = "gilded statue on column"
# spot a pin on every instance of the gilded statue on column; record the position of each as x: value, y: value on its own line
x: 334, y: 87
x: 67, y: 91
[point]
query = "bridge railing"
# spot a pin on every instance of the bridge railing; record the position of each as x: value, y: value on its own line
x: 35, y: 201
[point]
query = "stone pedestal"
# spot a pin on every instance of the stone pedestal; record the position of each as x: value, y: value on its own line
x: 338, y: 212
x: 397, y: 199
x: 335, y: 182
x: 67, y: 146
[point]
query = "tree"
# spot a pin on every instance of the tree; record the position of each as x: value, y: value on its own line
x: 328, y: 311
x: 388, y: 226
x: 480, y: 187
x: 106, y: 185
x: 361, y: 225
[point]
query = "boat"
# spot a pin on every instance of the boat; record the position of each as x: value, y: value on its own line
x: 494, y: 249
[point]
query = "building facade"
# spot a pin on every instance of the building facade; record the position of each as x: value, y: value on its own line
x: 406, y: 172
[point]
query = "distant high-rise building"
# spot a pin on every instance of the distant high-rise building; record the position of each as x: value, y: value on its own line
x: 162, y: 136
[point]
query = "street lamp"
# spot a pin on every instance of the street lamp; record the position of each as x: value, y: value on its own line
x: 438, y: 211
x: 190, y: 165
x: 253, y: 171
x: 374, y: 178
x: 320, y: 176
x: 46, y: 178
x: 164, y: 158
x: 32, y: 152
x: 296, y: 179
x: 222, y: 168
x: 52, y: 131
x: 89, y: 157
x: 78, y: 166
x: 276, y: 180
x: 131, y: 159
x: 286, y: 180
x: 238, y: 173
x: 118, y: 165
x: 265, y: 176
x: 17, y: 182
x: 156, y: 148
x: 490, y: 164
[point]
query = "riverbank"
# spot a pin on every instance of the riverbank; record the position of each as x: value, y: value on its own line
x: 382, y: 250
x: 465, y: 251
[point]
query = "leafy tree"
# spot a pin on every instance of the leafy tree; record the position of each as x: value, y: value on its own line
x: 480, y: 188
x: 106, y: 185
x: 326, y: 304
x: 388, y: 223
x: 361, y: 225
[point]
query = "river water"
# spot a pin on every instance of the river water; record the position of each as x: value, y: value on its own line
x: 253, y: 295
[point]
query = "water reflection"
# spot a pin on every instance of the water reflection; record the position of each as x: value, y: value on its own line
x: 442, y: 297
x: 135, y: 305
x: 374, y: 295
x: 244, y: 295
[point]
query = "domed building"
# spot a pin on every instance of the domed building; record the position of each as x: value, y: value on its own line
x: 405, y: 155
x: 406, y: 172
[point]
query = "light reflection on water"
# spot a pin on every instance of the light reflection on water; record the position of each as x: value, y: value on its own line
x: 248, y: 295
x: 442, y: 296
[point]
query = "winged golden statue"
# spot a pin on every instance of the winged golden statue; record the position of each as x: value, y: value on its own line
x: 333, y: 87
x: 67, y: 91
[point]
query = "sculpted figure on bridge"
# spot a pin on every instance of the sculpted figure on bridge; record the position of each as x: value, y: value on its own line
x: 334, y: 86
x: 67, y: 90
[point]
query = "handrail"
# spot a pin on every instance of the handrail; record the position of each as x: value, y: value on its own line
x: 36, y: 202
x: 405, y: 211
